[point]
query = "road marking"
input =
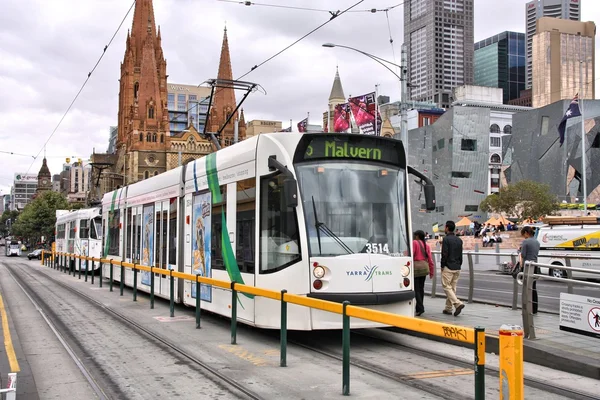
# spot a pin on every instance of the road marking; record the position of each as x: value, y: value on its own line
x: 8, y: 345
x: 244, y: 354
x: 440, y: 374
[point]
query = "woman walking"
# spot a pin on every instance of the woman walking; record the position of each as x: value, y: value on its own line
x: 530, y: 249
x: 423, y: 266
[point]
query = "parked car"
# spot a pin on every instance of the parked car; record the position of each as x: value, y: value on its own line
x: 35, y: 254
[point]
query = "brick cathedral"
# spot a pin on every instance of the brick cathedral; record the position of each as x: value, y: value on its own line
x: 144, y: 146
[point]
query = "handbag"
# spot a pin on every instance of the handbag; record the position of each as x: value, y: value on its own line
x: 516, y: 269
x: 422, y: 266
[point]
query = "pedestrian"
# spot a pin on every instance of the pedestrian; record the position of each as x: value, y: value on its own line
x: 452, y: 258
x: 423, y: 264
x: 530, y: 248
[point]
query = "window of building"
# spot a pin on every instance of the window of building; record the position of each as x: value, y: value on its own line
x: 136, y: 88
x: 192, y: 97
x: 441, y: 143
x: 495, y: 182
x: 146, y: 174
x: 495, y: 159
x: 162, y: 138
x: 507, y: 129
x: 544, y: 125
x: 170, y: 97
x: 154, y: 137
x: 494, y: 128
x: 278, y: 226
x: 468, y: 145
x: 180, y: 98
x: 151, y: 112
x: 495, y: 141
x: 141, y: 137
x: 155, y: 173
x: 148, y: 137
x: 471, y: 208
x: 460, y: 174
x: 426, y: 121
x: 181, y: 107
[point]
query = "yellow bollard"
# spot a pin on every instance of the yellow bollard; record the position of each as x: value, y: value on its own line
x: 511, y: 362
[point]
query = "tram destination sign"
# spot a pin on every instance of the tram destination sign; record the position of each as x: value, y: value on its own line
x: 351, y: 147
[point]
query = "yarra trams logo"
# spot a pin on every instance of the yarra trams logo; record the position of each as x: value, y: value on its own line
x: 369, y: 272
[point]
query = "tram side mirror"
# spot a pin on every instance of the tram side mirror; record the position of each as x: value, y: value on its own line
x: 290, y: 192
x: 429, y: 190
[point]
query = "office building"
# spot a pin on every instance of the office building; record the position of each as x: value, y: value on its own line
x: 536, y: 9
x: 112, y: 139
x: 79, y: 182
x: 24, y: 188
x: 187, y: 105
x: 500, y: 62
x: 563, y: 60
x: 439, y: 39
x: 537, y: 155
x: 258, y: 126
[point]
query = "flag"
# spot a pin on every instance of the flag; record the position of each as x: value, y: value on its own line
x: 572, y: 111
x: 341, y: 118
x: 365, y: 111
x: 288, y: 129
x: 302, y: 125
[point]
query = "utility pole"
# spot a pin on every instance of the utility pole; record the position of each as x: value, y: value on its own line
x: 403, y: 99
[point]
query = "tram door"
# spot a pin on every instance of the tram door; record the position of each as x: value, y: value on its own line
x: 134, y: 216
x: 161, y: 246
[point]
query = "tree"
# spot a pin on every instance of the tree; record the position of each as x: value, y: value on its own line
x: 4, y: 224
x: 523, y: 199
x: 39, y: 217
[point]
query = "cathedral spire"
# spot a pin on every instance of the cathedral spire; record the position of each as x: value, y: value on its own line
x: 143, y: 26
x: 337, y: 92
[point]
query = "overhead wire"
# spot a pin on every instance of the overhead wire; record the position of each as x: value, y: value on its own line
x: 82, y: 86
x: 297, y: 8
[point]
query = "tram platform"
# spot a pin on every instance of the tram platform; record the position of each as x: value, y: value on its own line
x: 553, y: 348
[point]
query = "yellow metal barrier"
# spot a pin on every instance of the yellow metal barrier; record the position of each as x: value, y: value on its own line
x: 514, y: 361
x: 511, y: 362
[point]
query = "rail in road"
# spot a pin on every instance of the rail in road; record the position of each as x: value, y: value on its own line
x: 474, y: 336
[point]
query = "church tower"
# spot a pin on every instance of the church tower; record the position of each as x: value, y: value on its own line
x: 335, y: 97
x: 143, y: 127
x: 44, y: 179
x: 224, y: 102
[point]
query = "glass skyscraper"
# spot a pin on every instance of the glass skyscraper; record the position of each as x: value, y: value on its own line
x: 500, y: 61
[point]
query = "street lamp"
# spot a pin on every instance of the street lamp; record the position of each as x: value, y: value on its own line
x: 401, y: 78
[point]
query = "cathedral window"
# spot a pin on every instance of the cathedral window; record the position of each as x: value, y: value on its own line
x: 146, y: 174
x: 155, y: 173
x: 148, y: 137
x: 141, y: 137
x: 162, y: 138
x: 154, y: 137
x: 151, y: 112
x: 136, y: 88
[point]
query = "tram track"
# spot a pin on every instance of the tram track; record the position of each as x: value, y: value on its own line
x: 110, y: 389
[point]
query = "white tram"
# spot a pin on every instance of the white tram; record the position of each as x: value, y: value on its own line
x: 80, y: 232
x: 237, y: 215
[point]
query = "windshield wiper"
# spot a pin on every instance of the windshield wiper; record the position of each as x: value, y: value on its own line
x: 329, y: 232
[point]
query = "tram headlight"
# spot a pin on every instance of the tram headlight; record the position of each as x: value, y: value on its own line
x: 319, y: 272
x: 405, y: 271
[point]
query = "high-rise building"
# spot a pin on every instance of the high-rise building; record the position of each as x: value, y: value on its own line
x: 439, y: 39
x: 536, y: 9
x: 112, y: 139
x: 500, y: 63
x: 224, y: 102
x: 563, y: 60
x: 187, y: 105
x: 24, y: 188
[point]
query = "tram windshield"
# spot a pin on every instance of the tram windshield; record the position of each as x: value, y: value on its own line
x: 354, y: 207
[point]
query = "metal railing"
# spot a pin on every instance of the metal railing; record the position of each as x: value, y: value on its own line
x: 11, y: 387
x: 527, y: 277
x: 474, y: 336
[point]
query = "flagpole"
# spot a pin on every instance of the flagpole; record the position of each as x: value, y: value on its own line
x: 291, y: 125
x: 583, y: 138
x: 376, y: 107
x: 307, y: 121
x: 329, y: 119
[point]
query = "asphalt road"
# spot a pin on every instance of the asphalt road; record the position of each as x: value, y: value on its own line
x: 491, y: 286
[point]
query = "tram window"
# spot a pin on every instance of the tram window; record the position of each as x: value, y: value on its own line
x: 60, y: 231
x: 164, y: 240
x: 158, y: 237
x: 216, y: 252
x: 96, y: 228
x: 173, y: 231
x: 137, y: 236
x: 114, y: 219
x: 279, y: 241
x: 84, y: 229
x: 245, y: 223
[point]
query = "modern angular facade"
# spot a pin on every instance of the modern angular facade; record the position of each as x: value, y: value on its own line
x: 439, y: 39
x: 536, y: 9
x: 187, y: 105
x: 500, y: 62
x: 537, y: 155
x: 563, y: 61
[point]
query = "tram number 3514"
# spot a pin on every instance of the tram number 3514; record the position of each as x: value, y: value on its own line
x: 377, y: 248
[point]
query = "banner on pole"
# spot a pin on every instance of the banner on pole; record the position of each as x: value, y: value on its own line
x: 341, y: 118
x: 364, y: 111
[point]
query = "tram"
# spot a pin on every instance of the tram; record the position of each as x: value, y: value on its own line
x: 80, y: 232
x: 321, y: 215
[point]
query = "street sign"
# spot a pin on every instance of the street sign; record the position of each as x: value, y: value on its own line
x: 580, y: 314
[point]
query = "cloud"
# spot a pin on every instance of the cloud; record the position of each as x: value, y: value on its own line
x: 47, y: 48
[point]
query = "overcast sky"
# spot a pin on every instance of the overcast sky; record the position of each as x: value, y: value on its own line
x: 47, y: 49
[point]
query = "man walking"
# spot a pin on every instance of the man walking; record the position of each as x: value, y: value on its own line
x: 452, y: 258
